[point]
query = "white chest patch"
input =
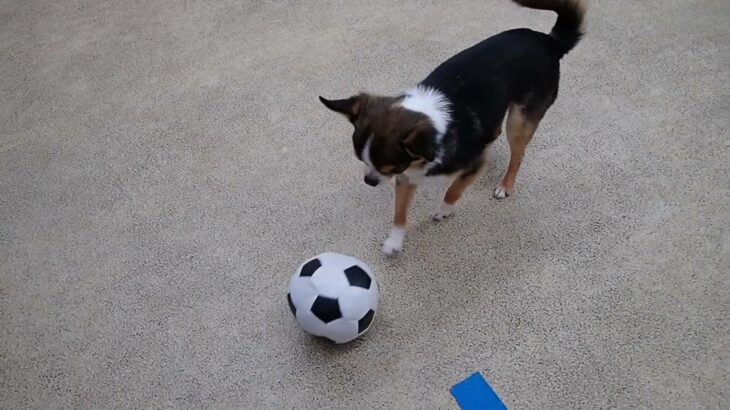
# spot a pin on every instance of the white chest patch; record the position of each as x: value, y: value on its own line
x: 415, y: 175
x: 431, y: 103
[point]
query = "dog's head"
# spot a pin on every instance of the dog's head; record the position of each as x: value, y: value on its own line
x: 388, y: 138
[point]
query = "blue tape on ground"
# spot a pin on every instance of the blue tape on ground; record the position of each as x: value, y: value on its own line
x: 474, y: 393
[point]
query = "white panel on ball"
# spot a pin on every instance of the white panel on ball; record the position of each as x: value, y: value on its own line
x: 329, y: 281
x: 302, y: 292
x: 374, y: 294
x: 341, y: 330
x: 334, y: 296
x: 355, y: 303
x: 338, y: 261
x: 310, y: 323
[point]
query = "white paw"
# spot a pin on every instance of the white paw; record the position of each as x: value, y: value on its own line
x: 391, y: 247
x: 394, y: 243
x: 444, y: 211
x: 501, y: 192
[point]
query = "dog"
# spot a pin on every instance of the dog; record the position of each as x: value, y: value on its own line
x: 444, y: 124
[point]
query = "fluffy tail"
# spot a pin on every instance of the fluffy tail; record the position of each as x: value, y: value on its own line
x: 569, y: 28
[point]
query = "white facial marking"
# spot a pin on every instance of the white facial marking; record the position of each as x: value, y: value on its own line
x: 370, y: 170
x: 366, y: 153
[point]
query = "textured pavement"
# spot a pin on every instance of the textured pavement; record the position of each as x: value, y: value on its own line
x: 164, y: 166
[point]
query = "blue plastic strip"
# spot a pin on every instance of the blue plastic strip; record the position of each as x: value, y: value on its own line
x: 474, y: 393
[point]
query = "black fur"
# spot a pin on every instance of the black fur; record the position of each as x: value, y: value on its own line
x: 519, y: 66
x: 568, y: 28
x: 515, y: 72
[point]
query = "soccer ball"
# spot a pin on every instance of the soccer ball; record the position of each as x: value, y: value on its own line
x: 334, y: 296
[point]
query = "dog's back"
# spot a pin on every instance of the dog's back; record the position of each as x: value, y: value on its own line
x: 516, y: 67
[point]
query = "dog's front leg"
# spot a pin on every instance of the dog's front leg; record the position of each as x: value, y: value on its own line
x: 404, y: 191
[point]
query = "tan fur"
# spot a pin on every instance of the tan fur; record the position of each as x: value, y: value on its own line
x: 404, y: 192
x: 460, y: 184
x: 520, y: 129
x: 386, y: 169
x: 397, y: 142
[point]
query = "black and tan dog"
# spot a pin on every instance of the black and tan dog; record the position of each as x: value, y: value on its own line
x: 444, y: 124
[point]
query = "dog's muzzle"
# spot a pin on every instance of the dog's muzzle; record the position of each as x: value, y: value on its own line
x: 372, y: 177
x: 371, y: 180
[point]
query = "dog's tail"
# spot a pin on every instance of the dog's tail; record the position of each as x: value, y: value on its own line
x: 568, y: 30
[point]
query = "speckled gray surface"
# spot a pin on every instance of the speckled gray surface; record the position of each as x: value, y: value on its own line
x: 165, y: 165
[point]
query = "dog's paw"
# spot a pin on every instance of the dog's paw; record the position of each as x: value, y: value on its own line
x: 391, y: 247
x: 394, y: 243
x: 444, y: 211
x: 501, y: 192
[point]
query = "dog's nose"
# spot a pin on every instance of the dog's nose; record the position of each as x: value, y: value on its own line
x: 372, y: 181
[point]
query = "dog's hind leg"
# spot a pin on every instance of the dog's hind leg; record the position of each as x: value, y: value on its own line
x: 521, y: 126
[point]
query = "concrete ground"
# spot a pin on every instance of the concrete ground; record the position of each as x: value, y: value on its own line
x: 164, y: 166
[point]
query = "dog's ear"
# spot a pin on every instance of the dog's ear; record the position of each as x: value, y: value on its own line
x: 349, y: 107
x: 421, y: 143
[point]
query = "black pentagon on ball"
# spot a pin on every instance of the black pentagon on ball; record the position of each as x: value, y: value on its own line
x: 365, y: 321
x: 326, y: 309
x: 291, y: 304
x: 358, y: 277
x: 310, y: 267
